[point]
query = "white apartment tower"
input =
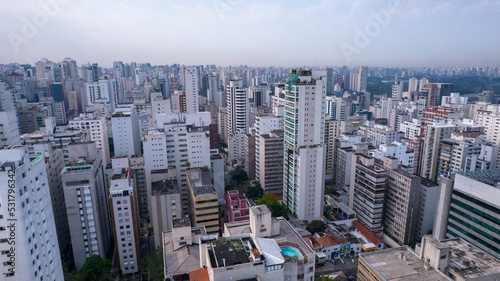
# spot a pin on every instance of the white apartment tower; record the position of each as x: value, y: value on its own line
x: 96, y: 129
x: 191, y: 85
x: 105, y: 92
x: 124, y: 211
x: 9, y: 128
x: 304, y: 150
x: 490, y: 119
x: 238, y: 108
x: 126, y: 134
x: 34, y: 249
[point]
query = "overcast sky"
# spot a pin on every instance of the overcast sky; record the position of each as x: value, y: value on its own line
x: 404, y: 33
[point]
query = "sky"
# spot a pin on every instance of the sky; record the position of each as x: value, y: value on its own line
x: 393, y: 33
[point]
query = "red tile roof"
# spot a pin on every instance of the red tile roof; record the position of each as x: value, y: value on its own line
x: 200, y: 274
x: 278, y: 198
x: 366, y: 232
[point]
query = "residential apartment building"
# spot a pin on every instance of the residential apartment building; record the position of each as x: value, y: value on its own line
x: 304, y: 149
x: 36, y: 250
x: 86, y: 202
x: 124, y: 216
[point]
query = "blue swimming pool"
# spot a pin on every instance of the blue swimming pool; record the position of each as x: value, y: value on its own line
x: 290, y: 253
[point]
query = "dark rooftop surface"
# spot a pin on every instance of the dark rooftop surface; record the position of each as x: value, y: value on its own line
x: 163, y: 187
x: 230, y: 252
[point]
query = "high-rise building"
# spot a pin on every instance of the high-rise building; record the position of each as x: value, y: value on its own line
x: 96, y: 129
x: 165, y: 200
x: 124, y: 216
x: 331, y: 132
x: 250, y: 143
x: 29, y: 247
x: 270, y: 167
x: 238, y: 112
x: 412, y: 85
x: 304, y: 149
x: 490, y: 119
x: 238, y: 108
x: 367, y: 191
x: 402, y: 199
x: 191, y: 84
x: 105, y: 92
x: 203, y: 201
x: 434, y: 136
x: 141, y: 190
x: 466, y: 140
x: 86, y: 202
x: 126, y: 135
x: 213, y: 89
x: 327, y: 76
x: 468, y: 207
x: 362, y: 79
x: 422, y: 82
x: 9, y: 128
x: 54, y: 163
x: 264, y: 124
x: 397, y: 90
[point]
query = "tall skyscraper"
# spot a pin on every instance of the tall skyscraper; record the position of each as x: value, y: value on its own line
x: 238, y: 108
x: 191, y: 85
x: 304, y: 150
x: 362, y: 79
x: 31, y: 224
x: 238, y: 112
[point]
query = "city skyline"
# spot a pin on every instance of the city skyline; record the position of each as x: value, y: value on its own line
x: 236, y: 32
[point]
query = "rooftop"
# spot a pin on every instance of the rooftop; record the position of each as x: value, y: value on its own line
x: 229, y: 251
x: 469, y: 261
x: 200, y: 274
x: 400, y: 264
x: 200, y: 180
x: 163, y: 187
x: 490, y: 177
x: 181, y: 222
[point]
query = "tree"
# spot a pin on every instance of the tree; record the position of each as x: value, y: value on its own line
x: 266, y: 200
x: 278, y: 210
x: 239, y: 175
x: 255, y: 191
x: 316, y: 226
x: 96, y: 269
x: 152, y: 266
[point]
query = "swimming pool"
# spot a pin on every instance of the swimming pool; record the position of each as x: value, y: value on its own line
x: 289, y: 253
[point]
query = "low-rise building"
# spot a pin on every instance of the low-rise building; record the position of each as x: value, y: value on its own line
x: 237, y: 206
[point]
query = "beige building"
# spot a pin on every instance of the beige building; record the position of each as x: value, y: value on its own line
x: 331, y: 132
x: 271, y: 162
x: 202, y: 198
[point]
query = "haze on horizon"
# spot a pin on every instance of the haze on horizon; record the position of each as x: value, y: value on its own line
x: 401, y: 33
